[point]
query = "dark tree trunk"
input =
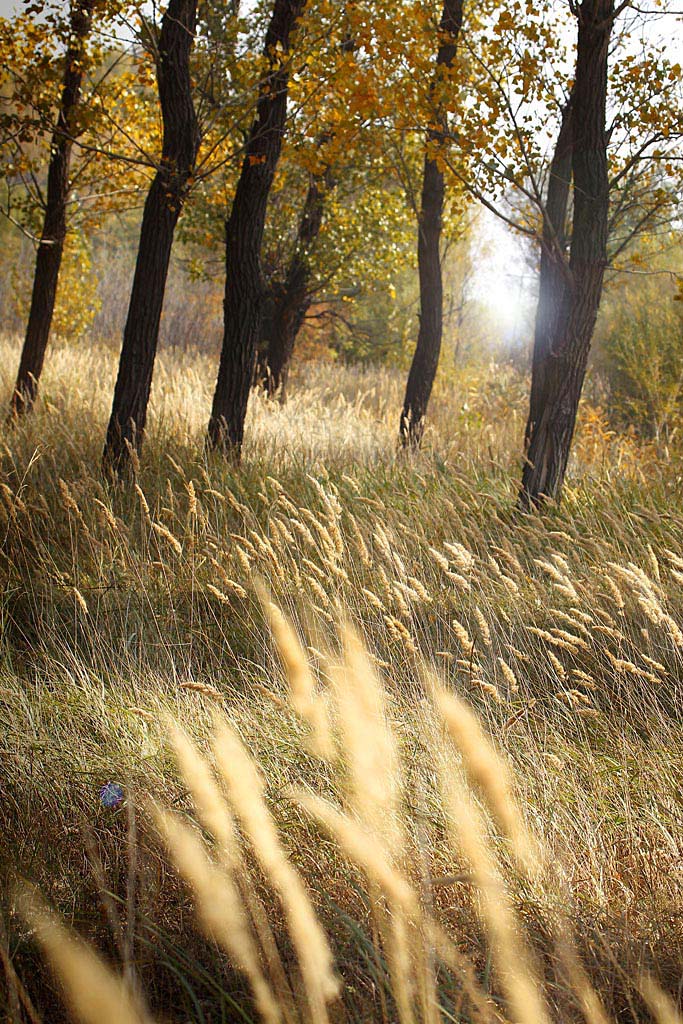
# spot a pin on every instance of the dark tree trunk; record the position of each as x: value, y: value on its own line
x: 288, y: 304
x: 164, y: 201
x: 244, y: 286
x: 563, y: 368
x: 426, y: 357
x: 51, y: 245
x: 291, y: 298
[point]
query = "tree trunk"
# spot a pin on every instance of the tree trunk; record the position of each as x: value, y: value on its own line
x: 51, y: 245
x: 244, y: 286
x: 426, y: 357
x: 164, y: 201
x: 292, y: 302
x: 290, y: 299
x: 563, y: 370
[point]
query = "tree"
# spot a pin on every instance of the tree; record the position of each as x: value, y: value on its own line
x: 181, y: 140
x: 337, y: 226
x: 244, y: 288
x: 290, y: 299
x: 426, y: 357
x: 561, y: 356
x: 51, y: 243
x: 115, y: 125
x: 624, y: 181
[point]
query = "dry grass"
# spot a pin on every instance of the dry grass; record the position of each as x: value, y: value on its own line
x: 563, y: 633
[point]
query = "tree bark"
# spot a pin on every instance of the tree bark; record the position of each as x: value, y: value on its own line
x: 426, y: 358
x: 244, y: 286
x: 291, y: 298
x: 51, y: 245
x: 561, y: 373
x: 164, y: 202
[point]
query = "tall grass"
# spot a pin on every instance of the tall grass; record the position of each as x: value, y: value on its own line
x: 370, y: 826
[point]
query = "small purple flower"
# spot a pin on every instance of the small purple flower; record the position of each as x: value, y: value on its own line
x: 111, y: 795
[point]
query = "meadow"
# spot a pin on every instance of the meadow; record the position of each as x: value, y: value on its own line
x: 532, y: 876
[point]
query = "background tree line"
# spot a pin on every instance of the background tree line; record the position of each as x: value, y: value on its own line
x: 317, y: 155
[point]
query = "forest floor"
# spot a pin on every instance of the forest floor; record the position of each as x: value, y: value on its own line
x: 122, y: 610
